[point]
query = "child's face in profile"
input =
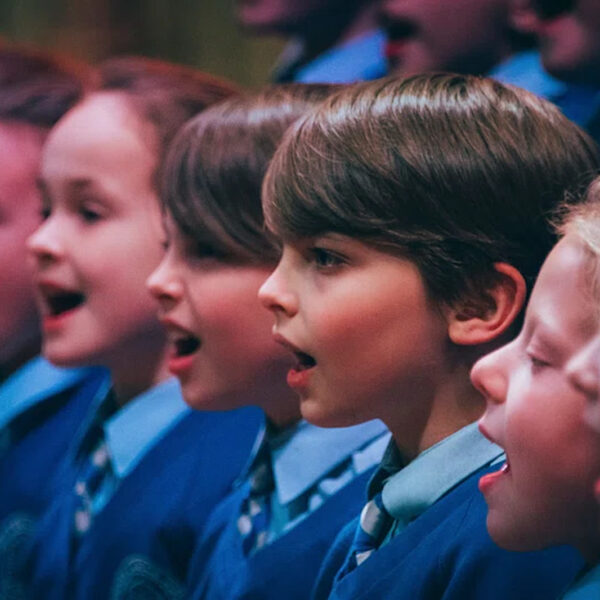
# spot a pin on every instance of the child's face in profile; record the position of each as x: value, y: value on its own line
x: 543, y: 495
x: 100, y: 239
x: 20, y: 150
x: 365, y: 335
x: 221, y: 347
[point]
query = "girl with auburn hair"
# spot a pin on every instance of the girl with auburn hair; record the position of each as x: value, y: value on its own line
x: 144, y: 470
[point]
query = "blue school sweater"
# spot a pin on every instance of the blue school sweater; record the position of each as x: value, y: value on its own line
x: 140, y: 542
x: 286, y: 567
x: 446, y: 553
x: 42, y: 409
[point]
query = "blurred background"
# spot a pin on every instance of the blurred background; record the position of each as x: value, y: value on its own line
x: 202, y: 33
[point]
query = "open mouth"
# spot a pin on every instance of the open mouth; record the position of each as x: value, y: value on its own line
x: 550, y: 9
x: 185, y: 346
x: 399, y: 30
x: 60, y: 302
x: 305, y: 361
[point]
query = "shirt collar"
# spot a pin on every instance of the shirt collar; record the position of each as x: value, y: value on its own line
x: 360, y: 58
x: 303, y: 454
x: 437, y: 470
x: 32, y: 383
x: 586, y: 586
x: 136, y: 427
x: 525, y: 70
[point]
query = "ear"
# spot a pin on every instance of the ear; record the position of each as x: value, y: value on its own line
x: 471, y: 323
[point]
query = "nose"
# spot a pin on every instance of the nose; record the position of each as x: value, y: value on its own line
x: 44, y: 244
x: 275, y: 295
x: 488, y: 376
x: 164, y: 283
x: 583, y: 369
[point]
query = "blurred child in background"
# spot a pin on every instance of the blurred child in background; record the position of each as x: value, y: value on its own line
x: 40, y: 405
x: 267, y: 539
x: 144, y: 471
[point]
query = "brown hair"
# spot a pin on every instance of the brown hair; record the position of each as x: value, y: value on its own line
x: 164, y: 95
x: 37, y: 87
x: 215, y: 167
x: 453, y: 171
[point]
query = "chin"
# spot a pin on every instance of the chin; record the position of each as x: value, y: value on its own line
x: 204, y: 400
x: 314, y: 412
x: 514, y: 537
x: 64, y: 358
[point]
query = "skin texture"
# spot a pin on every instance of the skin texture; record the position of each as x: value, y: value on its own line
x: 20, y: 151
x: 534, y: 411
x: 101, y: 237
x: 237, y: 363
x: 279, y: 16
x: 380, y: 345
x: 584, y: 373
x: 570, y: 42
x: 466, y: 36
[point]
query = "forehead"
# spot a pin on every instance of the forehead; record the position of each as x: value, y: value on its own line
x: 101, y: 132
x: 20, y: 148
x: 20, y: 151
x: 562, y: 296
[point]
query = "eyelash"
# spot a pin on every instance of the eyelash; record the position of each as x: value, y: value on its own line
x: 88, y: 215
x: 325, y: 259
x: 203, y: 251
x: 536, y: 363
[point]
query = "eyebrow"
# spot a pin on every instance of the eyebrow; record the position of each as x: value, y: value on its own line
x: 550, y: 337
x: 74, y: 186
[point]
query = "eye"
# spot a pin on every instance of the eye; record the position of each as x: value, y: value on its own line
x: 45, y: 212
x: 537, y: 363
x: 203, y: 250
x: 200, y: 250
x: 89, y: 215
x: 326, y: 259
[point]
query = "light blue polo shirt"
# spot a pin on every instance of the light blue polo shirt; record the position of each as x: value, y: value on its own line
x: 311, y: 464
x: 585, y: 588
x: 411, y: 490
x: 32, y: 383
x: 359, y: 59
x: 135, y: 429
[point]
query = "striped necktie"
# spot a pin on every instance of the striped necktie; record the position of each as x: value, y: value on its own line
x: 374, y: 525
x: 94, y: 467
x: 255, y: 512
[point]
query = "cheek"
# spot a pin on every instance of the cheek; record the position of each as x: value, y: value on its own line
x: 555, y: 458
